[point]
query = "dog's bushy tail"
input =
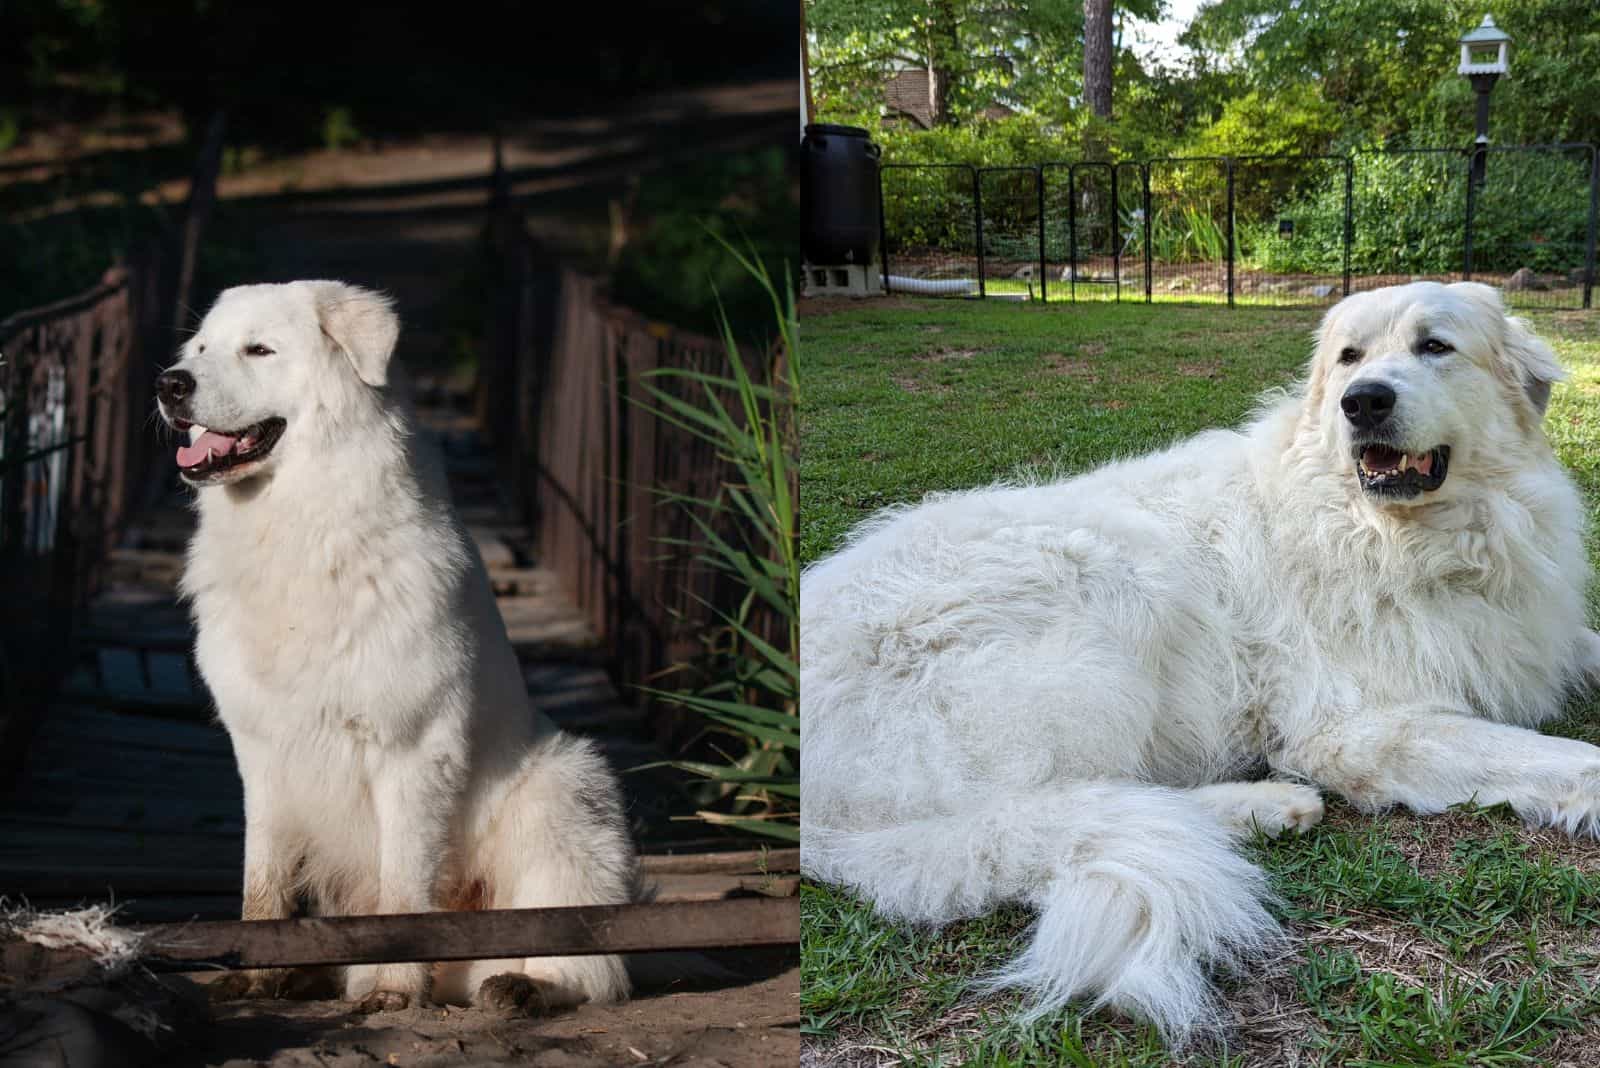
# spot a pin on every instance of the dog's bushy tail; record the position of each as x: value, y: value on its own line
x: 1139, y: 890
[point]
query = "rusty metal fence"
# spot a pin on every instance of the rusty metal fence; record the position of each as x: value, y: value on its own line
x: 1258, y: 230
x: 74, y: 451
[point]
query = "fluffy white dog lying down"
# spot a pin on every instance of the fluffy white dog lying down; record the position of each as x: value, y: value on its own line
x: 1053, y: 694
x: 347, y: 630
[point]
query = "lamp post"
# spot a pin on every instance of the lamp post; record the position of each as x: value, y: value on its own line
x: 1483, y: 61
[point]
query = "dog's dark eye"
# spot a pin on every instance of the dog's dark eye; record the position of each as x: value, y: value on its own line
x: 257, y: 350
x: 1433, y: 346
x: 1350, y: 356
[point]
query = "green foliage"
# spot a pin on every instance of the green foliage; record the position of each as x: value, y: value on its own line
x: 1298, y: 121
x: 1184, y: 233
x: 992, y: 51
x: 339, y: 129
x: 1380, y: 1018
x: 748, y: 531
x: 669, y: 270
x: 1409, y: 212
x: 10, y: 128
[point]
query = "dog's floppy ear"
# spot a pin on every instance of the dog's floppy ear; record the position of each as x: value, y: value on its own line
x: 1533, y: 361
x: 363, y: 324
x: 1525, y: 358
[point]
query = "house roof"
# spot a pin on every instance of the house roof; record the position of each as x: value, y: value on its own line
x: 906, y: 93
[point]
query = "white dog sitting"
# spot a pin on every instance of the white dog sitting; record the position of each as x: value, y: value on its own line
x: 1050, y: 694
x: 347, y: 630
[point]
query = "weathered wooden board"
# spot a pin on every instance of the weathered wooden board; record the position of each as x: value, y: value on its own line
x: 435, y: 936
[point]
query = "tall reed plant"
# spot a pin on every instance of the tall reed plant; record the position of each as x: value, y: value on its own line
x: 747, y: 677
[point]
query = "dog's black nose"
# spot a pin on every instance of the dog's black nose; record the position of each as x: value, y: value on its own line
x: 174, y: 386
x: 1367, y: 404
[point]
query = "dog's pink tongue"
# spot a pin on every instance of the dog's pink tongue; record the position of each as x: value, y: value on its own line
x: 209, y: 442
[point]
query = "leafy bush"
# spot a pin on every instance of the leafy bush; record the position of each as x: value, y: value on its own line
x: 669, y: 270
x: 1296, y: 121
x: 1409, y: 213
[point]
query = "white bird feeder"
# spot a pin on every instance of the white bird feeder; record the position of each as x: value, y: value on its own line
x: 1485, y: 50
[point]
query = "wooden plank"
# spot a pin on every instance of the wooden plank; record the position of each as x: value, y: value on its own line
x: 132, y: 813
x: 80, y: 881
x: 172, y: 638
x: 169, y: 675
x: 734, y: 862
x: 91, y: 727
x: 435, y: 936
x: 738, y: 923
x: 715, y: 887
x: 121, y: 673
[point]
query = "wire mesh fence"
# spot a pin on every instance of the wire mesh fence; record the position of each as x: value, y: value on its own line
x: 930, y: 228
x: 1089, y: 237
x: 1012, y: 212
x: 1191, y: 230
x: 1291, y: 229
x: 1408, y: 217
x: 1284, y: 230
x: 1532, y: 223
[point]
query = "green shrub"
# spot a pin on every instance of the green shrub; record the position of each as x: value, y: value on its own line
x: 669, y: 270
x: 1409, y: 213
x: 339, y: 129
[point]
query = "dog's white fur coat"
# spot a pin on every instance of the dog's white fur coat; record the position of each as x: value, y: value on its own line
x: 390, y: 758
x: 1051, y: 694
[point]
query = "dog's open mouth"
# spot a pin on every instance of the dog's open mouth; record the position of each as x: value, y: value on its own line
x: 211, y: 454
x: 1386, y: 471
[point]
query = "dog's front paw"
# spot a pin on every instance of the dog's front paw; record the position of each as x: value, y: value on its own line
x: 383, y: 1001
x: 511, y: 994
x: 254, y: 983
x: 386, y: 987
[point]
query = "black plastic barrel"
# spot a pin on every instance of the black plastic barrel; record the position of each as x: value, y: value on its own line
x: 838, y: 195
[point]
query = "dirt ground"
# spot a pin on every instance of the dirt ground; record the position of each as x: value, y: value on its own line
x: 753, y: 1025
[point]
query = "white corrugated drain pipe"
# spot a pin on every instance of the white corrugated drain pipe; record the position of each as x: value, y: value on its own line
x: 899, y: 284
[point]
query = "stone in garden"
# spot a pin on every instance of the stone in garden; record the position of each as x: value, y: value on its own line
x: 1025, y: 271
x: 1576, y: 276
x: 1523, y: 279
x: 1182, y: 281
x: 1321, y: 292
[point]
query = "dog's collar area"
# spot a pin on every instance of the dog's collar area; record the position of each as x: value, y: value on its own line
x: 1385, y: 471
x: 213, y: 453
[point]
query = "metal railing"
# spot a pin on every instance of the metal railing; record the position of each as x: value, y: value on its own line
x: 1258, y: 230
x: 74, y: 451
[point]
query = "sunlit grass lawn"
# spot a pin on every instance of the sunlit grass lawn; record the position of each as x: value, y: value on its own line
x: 1453, y: 940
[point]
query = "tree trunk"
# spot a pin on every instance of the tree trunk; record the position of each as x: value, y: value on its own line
x: 943, y: 56
x: 1097, y: 56
x: 202, y: 195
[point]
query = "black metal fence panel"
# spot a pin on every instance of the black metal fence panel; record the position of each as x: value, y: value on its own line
x: 1291, y: 229
x: 1532, y: 227
x: 930, y: 229
x: 1190, y: 232
x: 1408, y: 216
x: 1012, y: 235
x: 1287, y: 230
x: 1096, y: 236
